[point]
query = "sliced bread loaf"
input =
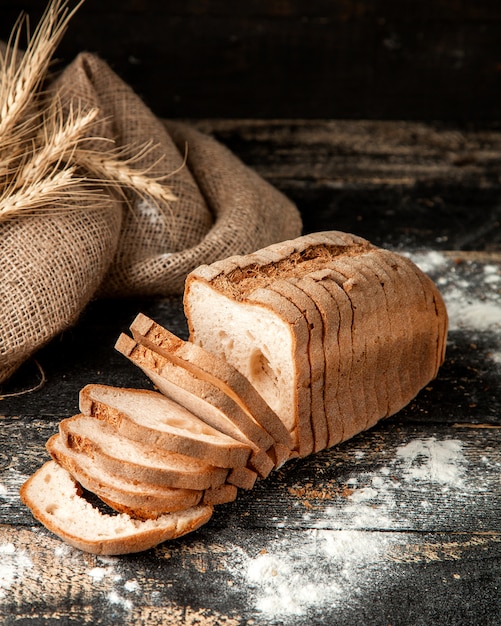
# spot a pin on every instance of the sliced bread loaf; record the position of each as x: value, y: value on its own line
x: 246, y: 321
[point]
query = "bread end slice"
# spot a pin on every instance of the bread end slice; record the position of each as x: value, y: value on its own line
x: 56, y: 501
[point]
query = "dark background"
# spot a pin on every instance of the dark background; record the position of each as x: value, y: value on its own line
x: 342, y: 59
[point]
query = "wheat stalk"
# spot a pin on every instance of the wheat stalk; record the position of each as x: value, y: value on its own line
x: 41, y: 153
x: 58, y: 145
x: 20, y: 78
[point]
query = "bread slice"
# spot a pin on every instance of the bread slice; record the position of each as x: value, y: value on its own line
x: 141, y: 500
x: 220, y: 495
x: 242, y: 477
x: 210, y: 367
x: 151, y: 418
x: 203, y: 399
x: 291, y: 289
x: 134, y: 460
x: 56, y: 500
x: 330, y: 324
x: 284, y: 383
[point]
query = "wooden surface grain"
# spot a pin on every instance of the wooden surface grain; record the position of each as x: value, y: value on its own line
x: 400, y: 525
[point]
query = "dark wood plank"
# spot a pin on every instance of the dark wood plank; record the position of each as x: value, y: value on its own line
x: 400, y: 184
x: 285, y: 577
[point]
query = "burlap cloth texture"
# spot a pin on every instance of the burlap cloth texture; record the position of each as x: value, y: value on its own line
x: 53, y: 265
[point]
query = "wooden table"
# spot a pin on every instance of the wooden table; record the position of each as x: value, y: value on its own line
x: 402, y: 524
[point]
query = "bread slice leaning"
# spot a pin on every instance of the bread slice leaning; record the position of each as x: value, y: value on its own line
x: 210, y: 367
x: 56, y: 501
x: 202, y: 399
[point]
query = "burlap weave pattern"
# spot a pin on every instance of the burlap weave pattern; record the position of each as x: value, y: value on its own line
x: 48, y: 275
x: 51, y: 266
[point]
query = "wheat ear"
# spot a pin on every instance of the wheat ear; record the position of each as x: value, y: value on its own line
x: 55, y: 192
x: 60, y: 139
x: 121, y: 174
x: 20, y: 78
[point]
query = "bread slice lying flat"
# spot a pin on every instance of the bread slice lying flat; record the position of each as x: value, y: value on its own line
x: 134, y: 460
x: 55, y: 499
x: 139, y: 499
x: 151, y: 418
x: 390, y: 318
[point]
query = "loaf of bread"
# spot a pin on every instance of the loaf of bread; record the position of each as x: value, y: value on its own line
x: 333, y: 332
x: 293, y: 349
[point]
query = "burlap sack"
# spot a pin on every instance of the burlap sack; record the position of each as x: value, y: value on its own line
x: 52, y: 266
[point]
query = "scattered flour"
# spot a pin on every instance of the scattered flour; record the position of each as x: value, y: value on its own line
x: 366, y: 493
x: 13, y: 566
x: 464, y: 314
x: 328, y: 569
x: 341, y: 558
x: 433, y: 461
x: 459, y: 286
x: 108, y: 578
x: 429, y: 261
x: 99, y: 573
x: 115, y: 598
x: 131, y: 585
x: 9, y: 492
x: 495, y: 357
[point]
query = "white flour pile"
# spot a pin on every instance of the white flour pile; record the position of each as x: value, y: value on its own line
x: 327, y: 568
x: 434, y: 461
